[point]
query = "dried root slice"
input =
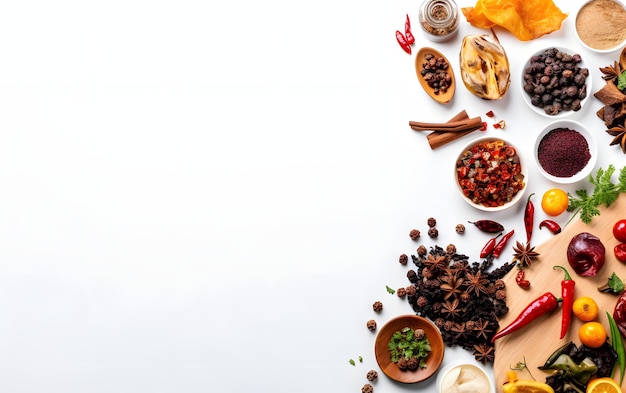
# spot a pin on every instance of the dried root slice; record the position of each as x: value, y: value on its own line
x: 484, y: 67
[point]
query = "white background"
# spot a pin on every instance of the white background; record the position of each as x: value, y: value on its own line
x: 208, y: 197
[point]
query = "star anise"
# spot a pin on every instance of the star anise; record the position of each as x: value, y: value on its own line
x: 451, y: 308
x: 484, y: 353
x: 434, y: 263
x: 524, y: 254
x: 459, y: 330
x: 619, y: 137
x: 451, y: 285
x: 482, y: 329
x: 611, y: 72
x: 476, y: 283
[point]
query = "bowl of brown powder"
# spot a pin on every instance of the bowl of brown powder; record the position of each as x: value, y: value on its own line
x: 600, y: 25
x: 565, y: 152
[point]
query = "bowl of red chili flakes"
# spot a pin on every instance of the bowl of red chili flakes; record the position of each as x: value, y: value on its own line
x: 490, y: 174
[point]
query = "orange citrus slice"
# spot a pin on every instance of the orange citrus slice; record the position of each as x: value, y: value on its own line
x: 603, y: 385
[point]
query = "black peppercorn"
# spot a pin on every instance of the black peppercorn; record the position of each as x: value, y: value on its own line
x: 372, y: 375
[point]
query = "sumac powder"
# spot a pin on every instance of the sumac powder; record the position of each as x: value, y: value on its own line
x: 563, y: 152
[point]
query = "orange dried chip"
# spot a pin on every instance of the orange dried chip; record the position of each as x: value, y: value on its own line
x: 526, y: 19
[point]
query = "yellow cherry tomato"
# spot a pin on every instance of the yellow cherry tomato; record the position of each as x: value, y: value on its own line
x: 603, y: 385
x: 585, y: 308
x: 592, y: 334
x: 554, y: 201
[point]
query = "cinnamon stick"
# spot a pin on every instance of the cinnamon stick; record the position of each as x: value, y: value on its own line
x: 451, y: 126
x: 437, y: 139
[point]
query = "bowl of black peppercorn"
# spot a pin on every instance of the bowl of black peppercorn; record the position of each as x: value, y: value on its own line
x: 555, y: 82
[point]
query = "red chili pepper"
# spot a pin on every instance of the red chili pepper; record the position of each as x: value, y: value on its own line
x: 489, y: 246
x: 488, y: 226
x: 567, y: 295
x: 497, y: 250
x: 538, y: 307
x: 496, y: 125
x: 403, y: 42
x: 521, y: 280
x: 407, y: 31
x: 551, y: 225
x: 529, y: 218
x: 484, y: 127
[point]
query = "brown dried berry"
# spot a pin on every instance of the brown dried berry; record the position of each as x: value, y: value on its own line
x: 433, y: 233
x: 372, y: 375
x: 422, y: 251
x: 451, y: 249
x: 367, y: 388
x: 401, y: 292
x: 377, y: 306
x: 371, y: 325
x: 460, y: 228
x: 412, y: 364
x: 414, y: 234
x: 404, y: 259
x: 419, y: 334
x: 410, y: 290
x: 431, y: 222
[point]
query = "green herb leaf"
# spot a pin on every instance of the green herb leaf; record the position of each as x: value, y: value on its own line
x: 605, y: 192
x: 621, y: 80
x: 616, y: 283
x: 352, y: 362
x: 360, y: 359
x: 390, y: 290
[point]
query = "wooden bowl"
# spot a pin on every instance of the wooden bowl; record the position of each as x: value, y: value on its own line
x: 383, y: 357
x: 420, y: 58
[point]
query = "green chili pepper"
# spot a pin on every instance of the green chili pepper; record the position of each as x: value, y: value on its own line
x: 618, y: 345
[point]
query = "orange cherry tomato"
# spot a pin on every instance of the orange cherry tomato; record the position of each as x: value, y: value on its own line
x: 554, y: 201
x: 585, y: 308
x: 592, y: 334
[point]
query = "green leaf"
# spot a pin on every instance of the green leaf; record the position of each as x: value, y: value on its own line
x: 360, y: 359
x: 352, y: 362
x: 616, y: 283
x: 621, y: 80
x: 390, y: 290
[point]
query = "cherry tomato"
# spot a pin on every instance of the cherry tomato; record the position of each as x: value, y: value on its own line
x: 619, y: 230
x: 554, y: 201
x: 620, y: 252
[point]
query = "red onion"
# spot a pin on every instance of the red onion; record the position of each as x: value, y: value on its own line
x: 585, y: 254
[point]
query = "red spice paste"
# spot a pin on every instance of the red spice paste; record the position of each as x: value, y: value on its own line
x: 563, y: 152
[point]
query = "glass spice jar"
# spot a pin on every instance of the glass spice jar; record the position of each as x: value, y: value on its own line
x: 439, y: 19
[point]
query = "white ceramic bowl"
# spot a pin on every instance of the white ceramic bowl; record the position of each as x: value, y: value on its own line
x: 514, y: 199
x: 585, y: 44
x: 592, y: 147
x: 540, y: 110
x: 471, y: 372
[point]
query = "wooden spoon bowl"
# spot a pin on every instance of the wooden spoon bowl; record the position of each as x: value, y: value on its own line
x: 443, y: 97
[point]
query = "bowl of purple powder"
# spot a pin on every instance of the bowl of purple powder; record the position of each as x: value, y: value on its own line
x: 565, y: 151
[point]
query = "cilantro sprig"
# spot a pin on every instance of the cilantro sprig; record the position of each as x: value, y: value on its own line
x: 404, y: 343
x: 604, y: 193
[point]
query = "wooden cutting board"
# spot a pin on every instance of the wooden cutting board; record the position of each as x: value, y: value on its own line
x: 537, y: 341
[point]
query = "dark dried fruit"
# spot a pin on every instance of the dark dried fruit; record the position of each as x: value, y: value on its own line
x: 460, y: 228
x: 433, y: 233
x: 431, y: 222
x: 377, y: 306
x: 414, y: 234
x: 404, y: 259
x: 371, y: 325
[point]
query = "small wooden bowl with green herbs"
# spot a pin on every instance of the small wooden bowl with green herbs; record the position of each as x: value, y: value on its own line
x: 409, y: 349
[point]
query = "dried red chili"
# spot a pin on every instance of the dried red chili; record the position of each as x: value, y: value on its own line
x: 567, y: 296
x: 489, y: 246
x: 488, y: 226
x: 407, y: 31
x: 490, y: 114
x: 521, y: 280
x: 497, y: 250
x: 403, y: 42
x: 484, y: 127
x: 535, y: 309
x: 529, y: 218
x: 552, y: 226
x: 489, y: 173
